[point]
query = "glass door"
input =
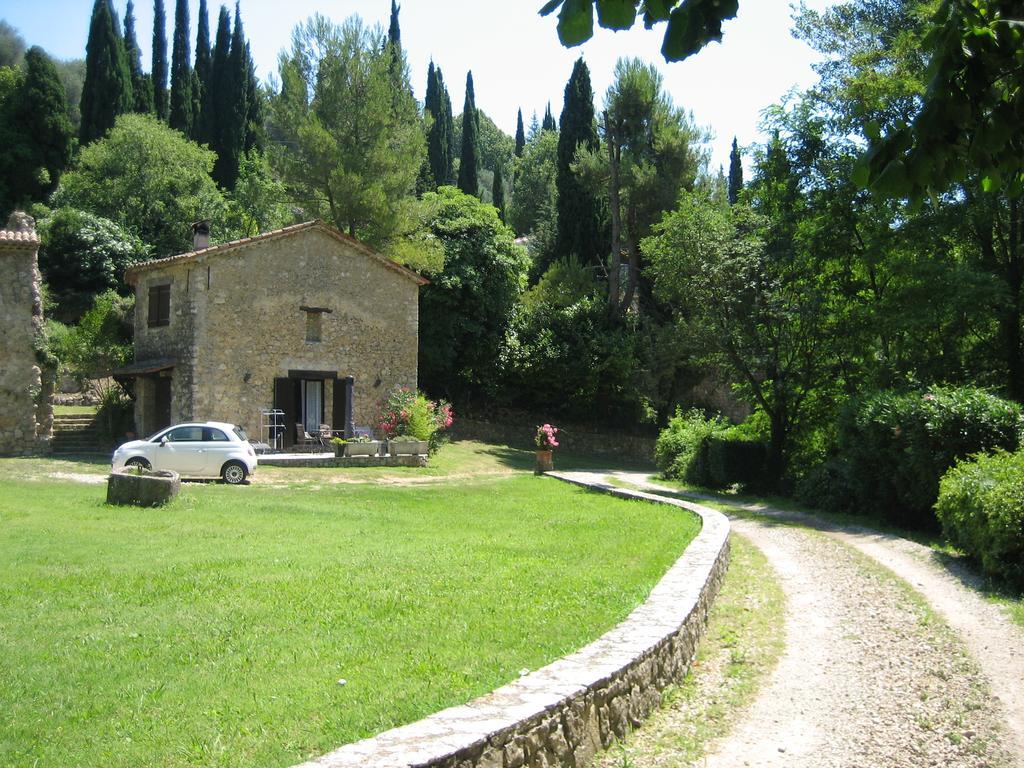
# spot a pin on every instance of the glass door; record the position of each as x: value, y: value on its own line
x: 312, y: 398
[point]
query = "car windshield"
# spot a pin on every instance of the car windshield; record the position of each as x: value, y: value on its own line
x: 241, y: 434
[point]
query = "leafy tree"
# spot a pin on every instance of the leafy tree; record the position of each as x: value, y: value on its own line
x: 735, y: 173
x: 12, y: 45
x: 72, y: 77
x: 149, y: 179
x: 180, y: 114
x: 691, y: 24
x: 81, y: 256
x: 469, y: 157
x: 466, y: 309
x: 350, y: 150
x: 259, y: 201
x: 107, y: 91
x: 35, y: 133
x: 534, y: 193
x: 520, y: 135
x: 142, y: 89
x: 99, y: 343
x: 158, y: 71
x: 578, y: 232
x: 967, y: 122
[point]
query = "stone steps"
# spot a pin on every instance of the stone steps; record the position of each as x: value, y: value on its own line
x: 76, y: 433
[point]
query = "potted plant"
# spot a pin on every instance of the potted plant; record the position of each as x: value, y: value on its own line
x: 412, y: 423
x: 408, y: 444
x: 546, y: 443
x: 360, y: 445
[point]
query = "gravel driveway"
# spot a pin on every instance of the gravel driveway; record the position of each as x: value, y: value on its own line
x: 890, y: 660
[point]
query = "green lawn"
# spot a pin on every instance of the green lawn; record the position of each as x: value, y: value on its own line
x: 215, y: 631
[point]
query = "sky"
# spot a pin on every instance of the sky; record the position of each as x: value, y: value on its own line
x: 515, y: 56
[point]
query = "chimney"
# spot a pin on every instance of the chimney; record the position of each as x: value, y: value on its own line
x: 201, y: 235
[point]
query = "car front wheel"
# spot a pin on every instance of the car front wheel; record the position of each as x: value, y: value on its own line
x: 137, y: 462
x: 234, y: 473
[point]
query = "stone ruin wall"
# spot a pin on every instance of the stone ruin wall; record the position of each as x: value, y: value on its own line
x: 26, y: 413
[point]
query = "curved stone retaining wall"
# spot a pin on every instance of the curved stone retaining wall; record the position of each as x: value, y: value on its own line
x: 563, y: 714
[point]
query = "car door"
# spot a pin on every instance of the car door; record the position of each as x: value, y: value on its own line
x: 180, y: 451
x: 216, y: 446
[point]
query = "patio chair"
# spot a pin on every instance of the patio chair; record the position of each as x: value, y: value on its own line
x: 305, y: 440
x: 325, y: 433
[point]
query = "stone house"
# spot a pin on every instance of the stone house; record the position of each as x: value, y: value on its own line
x: 303, y: 319
x: 26, y: 389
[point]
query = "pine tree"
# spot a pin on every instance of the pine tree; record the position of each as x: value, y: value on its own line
x: 498, y: 192
x: 520, y: 135
x: 201, y: 75
x: 180, y: 115
x: 577, y: 228
x: 158, y: 72
x: 735, y: 173
x: 549, y: 120
x: 142, y: 93
x: 469, y: 157
x: 107, y: 90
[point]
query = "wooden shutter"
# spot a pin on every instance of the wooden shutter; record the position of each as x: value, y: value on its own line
x: 284, y: 398
x: 341, y: 408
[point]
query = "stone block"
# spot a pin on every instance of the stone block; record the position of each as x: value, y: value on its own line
x: 130, y: 487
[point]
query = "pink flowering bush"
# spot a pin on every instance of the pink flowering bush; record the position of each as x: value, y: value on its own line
x: 545, y: 437
x: 408, y: 413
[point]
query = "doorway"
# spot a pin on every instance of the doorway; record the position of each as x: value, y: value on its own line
x: 311, y: 404
x: 161, y: 402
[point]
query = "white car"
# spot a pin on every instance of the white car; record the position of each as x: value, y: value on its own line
x: 197, y: 450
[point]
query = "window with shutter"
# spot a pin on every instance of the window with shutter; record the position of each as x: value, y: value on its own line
x: 159, y: 305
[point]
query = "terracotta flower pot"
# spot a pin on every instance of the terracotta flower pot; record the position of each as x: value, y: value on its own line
x: 545, y: 461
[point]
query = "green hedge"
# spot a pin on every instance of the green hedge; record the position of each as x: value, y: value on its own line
x: 710, y: 453
x: 981, y: 508
x: 897, y: 445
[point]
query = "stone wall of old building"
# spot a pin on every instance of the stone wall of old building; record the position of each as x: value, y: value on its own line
x: 238, y: 323
x: 25, y: 412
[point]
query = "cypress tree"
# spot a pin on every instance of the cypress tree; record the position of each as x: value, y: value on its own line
x: 549, y: 120
x: 107, y: 90
x: 439, y: 139
x: 735, y: 173
x: 520, y: 135
x: 158, y: 72
x: 142, y: 93
x: 218, y: 90
x: 469, y: 157
x: 254, y: 138
x: 201, y: 75
x: 180, y: 115
x: 36, y: 132
x: 449, y: 128
x: 498, y: 192
x: 235, y: 113
x: 577, y: 229
x: 394, y: 32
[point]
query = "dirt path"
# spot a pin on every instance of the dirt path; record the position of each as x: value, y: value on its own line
x: 870, y: 675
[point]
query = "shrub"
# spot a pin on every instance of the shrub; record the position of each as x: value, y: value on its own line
x: 898, y: 445
x: 678, y: 444
x: 710, y: 453
x: 981, y: 508
x: 407, y: 412
x: 730, y: 457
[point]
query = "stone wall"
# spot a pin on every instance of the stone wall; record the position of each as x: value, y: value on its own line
x: 237, y: 324
x: 25, y: 411
x: 563, y: 714
x: 577, y: 439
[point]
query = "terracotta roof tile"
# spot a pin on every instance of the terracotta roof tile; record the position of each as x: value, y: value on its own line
x: 180, y: 258
x: 30, y: 237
